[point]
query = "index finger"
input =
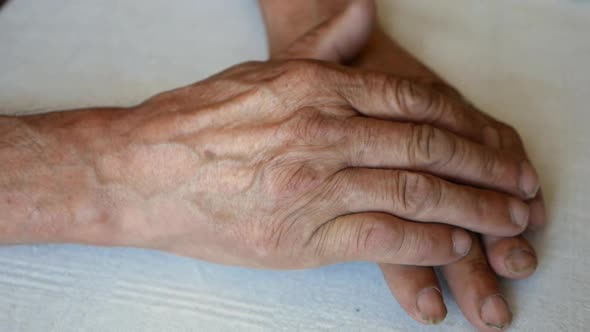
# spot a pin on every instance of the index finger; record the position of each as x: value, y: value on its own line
x: 389, y: 97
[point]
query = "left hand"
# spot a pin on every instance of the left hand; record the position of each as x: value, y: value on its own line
x: 472, y: 280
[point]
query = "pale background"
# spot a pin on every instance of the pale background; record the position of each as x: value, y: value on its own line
x: 526, y: 62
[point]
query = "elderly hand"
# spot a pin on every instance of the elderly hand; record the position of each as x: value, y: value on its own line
x: 326, y: 31
x: 287, y: 164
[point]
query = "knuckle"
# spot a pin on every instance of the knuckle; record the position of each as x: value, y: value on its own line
x: 341, y: 188
x: 378, y: 236
x: 492, y: 167
x: 365, y: 132
x: 361, y: 138
x: 291, y: 178
x: 421, y: 144
x: 309, y: 125
x: 430, y: 147
x: 337, y: 237
x: 416, y: 193
x: 415, y: 100
x: 419, y: 245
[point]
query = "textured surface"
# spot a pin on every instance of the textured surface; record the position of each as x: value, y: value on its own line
x: 524, y: 61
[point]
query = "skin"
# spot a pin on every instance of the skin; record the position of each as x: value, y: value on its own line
x: 227, y: 170
x: 281, y: 164
x: 471, y: 280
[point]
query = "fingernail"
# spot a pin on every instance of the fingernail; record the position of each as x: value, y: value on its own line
x: 429, y: 305
x: 529, y: 181
x: 519, y: 213
x: 538, y: 214
x: 461, y: 242
x: 495, y: 313
x: 491, y: 137
x: 521, y: 261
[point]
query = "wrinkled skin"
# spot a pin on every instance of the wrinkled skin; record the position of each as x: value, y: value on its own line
x: 330, y: 30
x: 286, y: 164
x: 280, y: 164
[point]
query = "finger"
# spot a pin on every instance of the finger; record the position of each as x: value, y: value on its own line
x: 510, y: 141
x: 476, y: 291
x: 384, y: 144
x: 417, y: 290
x: 338, y: 39
x: 538, y: 217
x: 511, y: 257
x: 502, y: 136
x: 492, y: 133
x: 389, y: 97
x: 433, y: 101
x: 426, y: 198
x: 383, y: 238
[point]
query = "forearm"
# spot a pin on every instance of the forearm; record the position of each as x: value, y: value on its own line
x: 287, y: 20
x: 49, y: 191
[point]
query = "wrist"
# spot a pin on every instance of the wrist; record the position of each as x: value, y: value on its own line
x: 49, y: 192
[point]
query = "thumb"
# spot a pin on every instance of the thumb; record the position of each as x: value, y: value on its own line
x: 339, y: 38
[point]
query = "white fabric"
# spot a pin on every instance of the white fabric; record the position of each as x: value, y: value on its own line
x: 526, y: 62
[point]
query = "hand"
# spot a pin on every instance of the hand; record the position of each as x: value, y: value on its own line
x: 288, y: 164
x: 285, y: 165
x: 470, y: 279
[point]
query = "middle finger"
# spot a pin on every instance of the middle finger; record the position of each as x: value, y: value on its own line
x: 384, y: 144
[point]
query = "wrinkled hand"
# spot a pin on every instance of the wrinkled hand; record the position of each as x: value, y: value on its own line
x: 297, y: 164
x: 339, y: 37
